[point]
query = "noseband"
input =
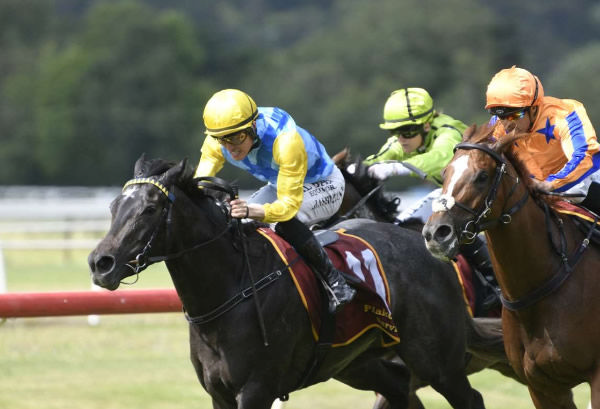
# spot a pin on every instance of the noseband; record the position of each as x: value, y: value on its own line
x: 477, y: 224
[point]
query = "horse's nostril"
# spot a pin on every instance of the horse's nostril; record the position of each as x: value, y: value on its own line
x: 442, y: 233
x: 105, y: 263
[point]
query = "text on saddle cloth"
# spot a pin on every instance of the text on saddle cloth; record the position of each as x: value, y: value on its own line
x: 370, y: 307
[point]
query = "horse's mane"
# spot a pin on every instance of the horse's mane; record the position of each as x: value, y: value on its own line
x: 484, y: 135
x: 154, y: 167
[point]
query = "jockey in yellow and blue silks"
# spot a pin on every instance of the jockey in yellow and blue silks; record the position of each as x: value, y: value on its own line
x: 560, y: 149
x: 283, y: 155
x: 303, y: 184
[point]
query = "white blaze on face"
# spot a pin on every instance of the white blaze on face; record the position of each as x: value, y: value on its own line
x: 446, y: 201
x: 127, y: 193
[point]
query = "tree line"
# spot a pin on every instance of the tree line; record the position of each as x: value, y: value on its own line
x: 86, y: 87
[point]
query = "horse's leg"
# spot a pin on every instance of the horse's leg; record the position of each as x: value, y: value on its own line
x: 413, y: 402
x: 388, y: 378
x: 254, y: 398
x: 457, y: 390
x: 445, y: 372
x: 560, y: 399
x: 595, y: 391
x: 218, y: 403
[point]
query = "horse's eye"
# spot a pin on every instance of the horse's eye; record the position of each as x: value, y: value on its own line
x: 149, y: 210
x: 482, y: 177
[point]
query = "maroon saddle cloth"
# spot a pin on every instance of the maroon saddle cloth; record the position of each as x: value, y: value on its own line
x: 565, y: 207
x: 370, y: 307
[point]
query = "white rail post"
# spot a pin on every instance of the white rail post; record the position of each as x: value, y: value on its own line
x: 278, y: 404
x: 94, y: 319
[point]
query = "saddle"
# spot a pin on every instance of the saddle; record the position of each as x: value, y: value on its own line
x: 359, y: 262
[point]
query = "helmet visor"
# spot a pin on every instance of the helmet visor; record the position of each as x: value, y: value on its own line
x: 508, y: 112
x: 408, y: 131
x: 236, y: 138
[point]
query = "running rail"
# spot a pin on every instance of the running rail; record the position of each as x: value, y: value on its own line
x: 49, y: 304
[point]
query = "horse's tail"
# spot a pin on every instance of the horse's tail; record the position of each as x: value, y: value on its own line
x: 485, y: 342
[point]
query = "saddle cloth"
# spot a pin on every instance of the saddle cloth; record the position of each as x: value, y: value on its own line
x: 465, y: 278
x: 585, y: 220
x: 370, y: 307
x: 565, y: 207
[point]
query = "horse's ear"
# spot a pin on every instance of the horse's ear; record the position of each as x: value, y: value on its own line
x: 469, y: 132
x: 140, y: 168
x: 501, y: 145
x: 341, y: 157
x: 172, y: 176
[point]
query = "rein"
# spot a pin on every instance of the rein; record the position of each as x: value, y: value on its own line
x: 553, y: 283
x: 360, y: 203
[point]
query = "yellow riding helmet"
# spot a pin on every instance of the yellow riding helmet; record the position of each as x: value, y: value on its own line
x: 408, y: 106
x: 514, y: 87
x: 228, y: 111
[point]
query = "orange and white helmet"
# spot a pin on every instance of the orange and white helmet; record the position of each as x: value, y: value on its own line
x: 515, y: 88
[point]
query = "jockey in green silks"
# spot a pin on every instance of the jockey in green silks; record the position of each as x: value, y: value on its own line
x: 423, y: 138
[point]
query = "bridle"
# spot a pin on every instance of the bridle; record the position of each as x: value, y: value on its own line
x: 567, y: 264
x: 142, y: 260
x: 480, y: 221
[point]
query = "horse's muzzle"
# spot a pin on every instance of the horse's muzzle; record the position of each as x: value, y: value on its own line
x: 440, y: 239
x: 102, y: 269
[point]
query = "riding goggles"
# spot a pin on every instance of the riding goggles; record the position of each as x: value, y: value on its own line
x: 510, y: 114
x: 232, y: 139
x: 407, y: 132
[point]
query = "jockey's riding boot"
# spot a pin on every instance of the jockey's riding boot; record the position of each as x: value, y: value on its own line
x: 478, y: 257
x: 314, y: 254
x: 306, y: 244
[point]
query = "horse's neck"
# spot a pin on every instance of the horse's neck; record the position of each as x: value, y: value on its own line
x: 521, y: 251
x: 210, y: 274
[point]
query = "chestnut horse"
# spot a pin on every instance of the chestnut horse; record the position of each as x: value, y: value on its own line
x: 547, y: 276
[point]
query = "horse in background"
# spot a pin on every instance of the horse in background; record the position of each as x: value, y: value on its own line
x: 364, y: 196
x: 161, y: 215
x: 547, y: 273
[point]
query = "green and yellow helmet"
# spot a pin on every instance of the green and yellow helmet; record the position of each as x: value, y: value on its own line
x: 407, y: 106
x: 229, y: 111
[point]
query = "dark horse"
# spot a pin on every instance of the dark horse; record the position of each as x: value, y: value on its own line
x: 163, y: 216
x: 364, y: 196
x: 549, y: 283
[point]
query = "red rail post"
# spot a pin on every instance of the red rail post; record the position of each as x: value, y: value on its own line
x: 47, y: 304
